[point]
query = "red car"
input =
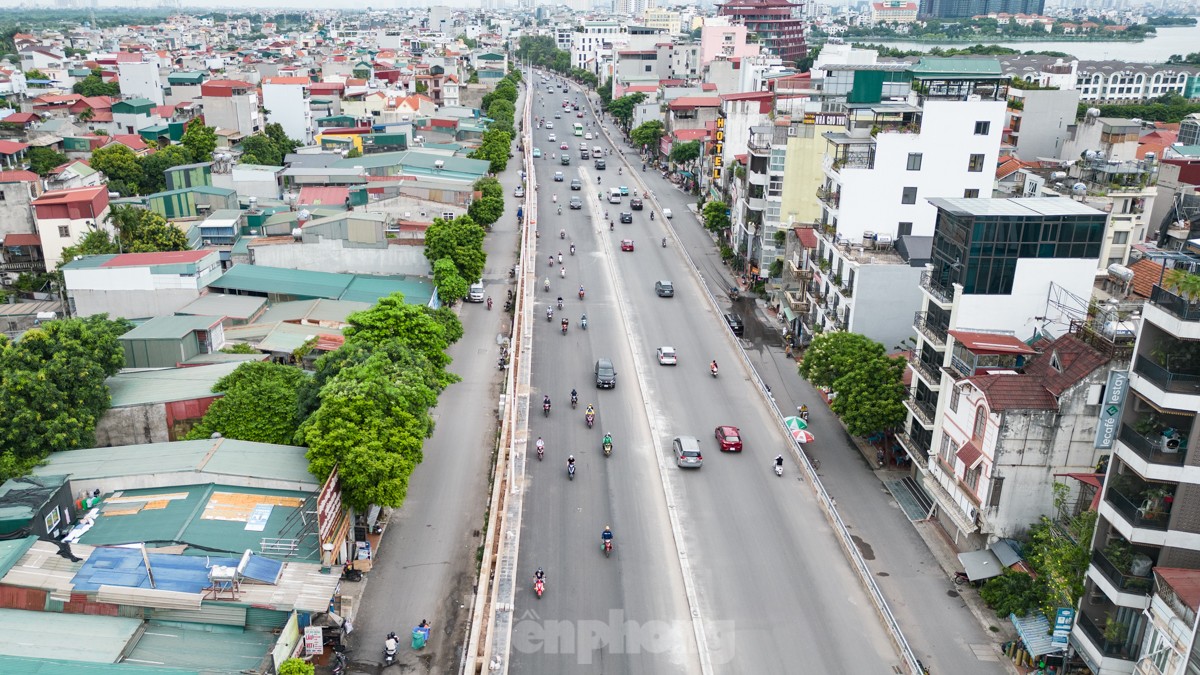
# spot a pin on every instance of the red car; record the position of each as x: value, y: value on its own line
x: 729, y: 439
x: 626, y: 244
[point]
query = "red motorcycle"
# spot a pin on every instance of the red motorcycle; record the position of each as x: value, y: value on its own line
x: 607, y: 547
x: 539, y: 587
x: 581, y: 294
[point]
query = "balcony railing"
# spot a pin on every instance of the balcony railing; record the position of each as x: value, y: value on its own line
x: 1096, y: 635
x: 831, y: 198
x: 1179, y: 381
x: 1126, y: 582
x: 1140, y: 514
x: 1149, y: 448
x: 922, y: 408
x: 935, y: 289
x: 913, y: 446
x: 796, y: 301
x: 39, y: 266
x: 935, y: 333
x: 1175, y: 304
x: 927, y: 370
x: 800, y: 273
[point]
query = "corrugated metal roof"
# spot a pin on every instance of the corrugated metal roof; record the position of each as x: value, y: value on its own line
x: 94, y: 639
x: 296, y: 283
x: 221, y: 651
x: 163, y: 386
x: 223, y: 305
x: 47, y: 666
x: 1035, y: 633
x: 416, y: 291
x: 12, y: 550
x: 166, y: 462
x: 315, y: 310
x: 170, y: 327
x: 288, y: 337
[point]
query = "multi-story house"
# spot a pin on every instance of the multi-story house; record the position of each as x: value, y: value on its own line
x: 139, y: 78
x: 1002, y: 271
x: 1145, y: 551
x: 231, y: 105
x: 1038, y: 121
x: 756, y: 213
x: 287, y: 101
x: 589, y: 45
x: 18, y: 189
x: 139, y: 285
x: 63, y: 217
x: 881, y: 171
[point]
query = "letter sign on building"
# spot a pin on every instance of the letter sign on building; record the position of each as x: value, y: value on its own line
x: 1110, y: 408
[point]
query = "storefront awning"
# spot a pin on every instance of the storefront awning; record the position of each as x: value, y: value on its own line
x: 980, y: 565
x: 788, y: 313
x: 1035, y: 633
x: 687, y: 174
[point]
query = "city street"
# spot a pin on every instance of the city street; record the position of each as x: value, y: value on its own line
x: 751, y: 555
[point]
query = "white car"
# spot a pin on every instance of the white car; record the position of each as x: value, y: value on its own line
x: 549, y: 125
x: 553, y: 138
x: 667, y: 213
x: 667, y: 357
x: 587, y: 136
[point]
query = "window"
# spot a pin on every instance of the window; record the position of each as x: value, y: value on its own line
x: 910, y: 196
x: 972, y: 477
x: 1120, y: 237
x: 997, y: 490
x: 947, y: 451
x: 983, y: 128
x: 64, y: 231
x: 970, y: 194
x: 648, y: 67
x: 914, y: 161
x: 1, y: 196
x: 904, y: 229
x: 955, y: 393
x: 975, y: 164
x: 980, y: 423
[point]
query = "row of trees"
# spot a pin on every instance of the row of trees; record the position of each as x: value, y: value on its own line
x: 543, y: 51
x: 867, y: 382
x: 366, y: 409
x: 130, y: 174
x: 500, y: 107
x: 489, y: 205
x: 53, y: 389
x: 455, y: 250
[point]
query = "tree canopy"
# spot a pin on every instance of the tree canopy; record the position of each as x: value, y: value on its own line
x: 622, y: 108
x: 716, y: 216
x: 94, y: 85
x: 199, y: 140
x: 867, y: 382
x: 451, y: 287
x: 268, y: 148
x: 682, y: 153
x: 647, y: 134
x: 460, y: 240
x: 44, y: 160
x: 260, y: 403
x: 122, y: 167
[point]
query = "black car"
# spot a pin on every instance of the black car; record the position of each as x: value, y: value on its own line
x: 576, y: 203
x: 735, y: 324
x: 635, y: 204
x: 576, y: 184
x: 626, y: 217
x: 600, y: 164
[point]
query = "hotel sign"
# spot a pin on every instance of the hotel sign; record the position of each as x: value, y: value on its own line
x: 1110, y: 408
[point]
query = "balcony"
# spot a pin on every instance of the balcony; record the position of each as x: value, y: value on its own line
x: 1116, y: 649
x: 940, y: 293
x: 1142, y: 508
x: 927, y: 370
x: 23, y: 266
x: 801, y: 274
x: 796, y: 301
x: 1153, y: 449
x: 914, y: 448
x: 1174, y: 304
x: 843, y: 286
x: 1174, y: 380
x: 1126, y: 583
x: 935, y: 333
x: 830, y: 198
x: 922, y: 408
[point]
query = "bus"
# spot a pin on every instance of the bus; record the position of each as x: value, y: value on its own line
x: 579, y: 128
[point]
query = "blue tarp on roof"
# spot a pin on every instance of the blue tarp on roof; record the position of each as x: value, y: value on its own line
x: 263, y: 569
x: 114, y: 566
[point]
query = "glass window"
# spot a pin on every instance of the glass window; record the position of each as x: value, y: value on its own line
x: 974, y: 164
x: 1120, y: 237
x: 955, y: 393
x: 980, y: 423
x: 972, y: 477
x: 904, y: 229
x: 970, y: 194
x: 914, y: 161
x: 947, y: 451
x: 983, y: 128
x: 64, y: 231
x: 910, y: 196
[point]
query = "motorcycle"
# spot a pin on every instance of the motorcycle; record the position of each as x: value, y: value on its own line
x: 564, y: 326
x: 713, y: 370
x: 572, y: 249
x: 560, y: 257
x: 489, y: 304
x: 652, y: 220
x: 351, y: 574
x: 607, y: 547
x: 570, y: 471
x: 546, y: 409
x: 549, y: 314
x: 583, y: 322
x: 539, y: 587
x: 607, y: 445
x: 778, y: 468
x: 581, y: 294
x: 562, y: 234
x: 591, y: 419
x: 664, y: 241
x: 562, y: 272
x: 560, y: 303
x: 574, y: 401
x: 390, y: 645
x: 550, y: 261
x: 546, y: 285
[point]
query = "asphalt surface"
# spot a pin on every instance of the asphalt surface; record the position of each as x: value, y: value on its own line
x: 752, y: 558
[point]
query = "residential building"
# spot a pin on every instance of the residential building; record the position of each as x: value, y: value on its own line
x: 18, y: 189
x: 882, y: 169
x: 132, y: 115
x: 184, y: 87
x: 563, y: 36
x: 63, y: 217
x: 1176, y: 177
x: 965, y: 9
x: 1144, y: 553
x: 288, y: 103
x: 138, y: 285
x: 1039, y: 121
x: 803, y: 170
x: 776, y: 22
x: 1189, y: 130
x: 595, y: 39
x: 140, y: 79
x: 893, y: 11
x: 665, y: 20
x: 725, y: 42
x: 1003, y: 272
x: 233, y: 105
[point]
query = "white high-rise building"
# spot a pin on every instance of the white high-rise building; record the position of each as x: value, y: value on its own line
x: 288, y: 103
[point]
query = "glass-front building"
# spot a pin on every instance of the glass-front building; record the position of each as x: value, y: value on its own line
x: 977, y: 242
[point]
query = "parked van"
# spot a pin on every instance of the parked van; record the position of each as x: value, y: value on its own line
x: 614, y: 195
x: 476, y: 292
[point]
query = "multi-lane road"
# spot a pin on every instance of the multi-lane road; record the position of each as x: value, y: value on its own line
x: 725, y: 569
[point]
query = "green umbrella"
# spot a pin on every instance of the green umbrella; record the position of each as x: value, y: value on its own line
x: 795, y: 423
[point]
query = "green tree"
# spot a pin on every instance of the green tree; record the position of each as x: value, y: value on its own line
x: 622, y: 108
x: 154, y: 165
x: 489, y: 187
x: 868, y: 384
x: 279, y: 137
x: 260, y: 404
x: 121, y: 166
x: 43, y: 160
x: 682, y: 153
x: 647, y: 134
x: 486, y: 210
x: 414, y: 326
x: 1186, y: 284
x: 450, y: 286
x: 716, y: 216
x: 296, y: 667
x: 142, y: 231
x: 199, y: 140
x: 94, y: 85
x: 460, y: 240
x: 605, y: 91
x: 1060, y: 557
x: 35, y: 74
x: 95, y: 242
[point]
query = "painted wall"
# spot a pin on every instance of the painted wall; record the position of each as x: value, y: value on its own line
x: 885, y: 299
x: 803, y: 173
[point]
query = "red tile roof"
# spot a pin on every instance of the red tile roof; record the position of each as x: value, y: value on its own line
x: 695, y: 102
x: 690, y: 134
x: 1007, y: 166
x: 21, y: 118
x: 18, y: 176
x: 323, y: 196
x: 641, y: 88
x: 12, y: 147
x: 1011, y: 391
x: 22, y: 239
x: 1185, y: 583
x: 1146, y: 273
x: 71, y: 196
x: 287, y: 80
x: 748, y: 96
x: 163, y: 258
x: 991, y: 343
x: 807, y: 236
x: 131, y: 141
x: 969, y: 454
x: 1064, y: 363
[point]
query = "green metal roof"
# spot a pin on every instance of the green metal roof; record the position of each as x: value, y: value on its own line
x: 416, y: 290
x: 225, y: 456
x: 11, y: 551
x: 94, y: 639
x: 212, y: 651
x: 170, y: 327
x: 320, y: 310
x: 182, y: 520
x: 285, y: 338
x: 145, y: 387
x: 37, y: 489
x: 195, y: 77
x: 36, y: 666
x: 201, y: 189
x: 943, y: 66
x: 298, y: 283
x: 220, y: 304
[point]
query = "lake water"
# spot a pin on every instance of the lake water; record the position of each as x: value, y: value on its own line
x: 1169, y: 40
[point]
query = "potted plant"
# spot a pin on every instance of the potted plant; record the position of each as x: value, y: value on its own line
x: 1115, y: 631
x: 1147, y: 425
x: 1120, y: 554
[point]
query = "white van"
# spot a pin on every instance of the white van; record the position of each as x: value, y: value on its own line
x: 476, y: 292
x: 597, y: 151
x: 614, y: 195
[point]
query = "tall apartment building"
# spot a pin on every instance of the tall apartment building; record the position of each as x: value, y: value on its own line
x: 880, y: 172
x: 588, y: 46
x: 231, y: 105
x: 288, y: 103
x: 776, y: 22
x: 140, y: 79
x: 1139, y: 609
x: 1039, y: 120
x: 965, y: 9
x: 1002, y: 272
